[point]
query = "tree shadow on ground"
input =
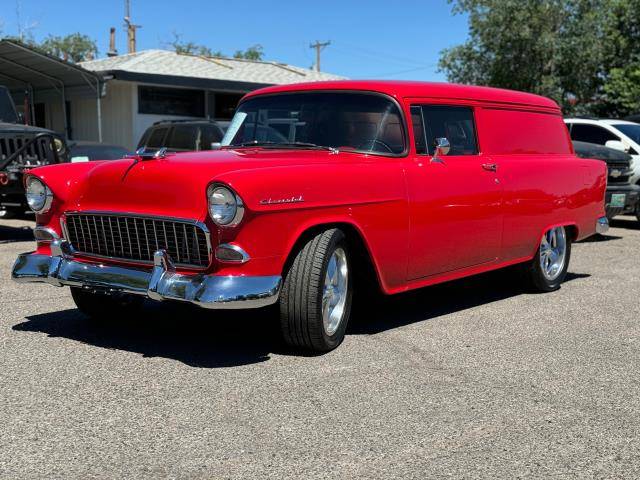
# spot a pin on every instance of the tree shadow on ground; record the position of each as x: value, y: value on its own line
x: 214, y: 339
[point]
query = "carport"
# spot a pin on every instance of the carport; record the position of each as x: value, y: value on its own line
x: 26, y: 69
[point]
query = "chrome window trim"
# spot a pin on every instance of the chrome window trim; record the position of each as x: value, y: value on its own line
x: 403, y: 120
x: 187, y: 221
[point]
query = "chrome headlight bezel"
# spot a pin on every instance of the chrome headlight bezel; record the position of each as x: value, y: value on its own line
x: 233, y: 202
x: 39, y: 195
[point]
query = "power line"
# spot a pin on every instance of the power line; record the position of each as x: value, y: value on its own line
x: 319, y: 46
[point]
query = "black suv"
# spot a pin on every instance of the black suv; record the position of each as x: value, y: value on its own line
x: 621, y: 196
x: 22, y: 147
x: 181, y: 135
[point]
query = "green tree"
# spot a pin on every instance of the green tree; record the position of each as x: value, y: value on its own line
x: 621, y: 69
x: 192, y: 48
x: 550, y: 47
x: 75, y: 47
x: 252, y: 53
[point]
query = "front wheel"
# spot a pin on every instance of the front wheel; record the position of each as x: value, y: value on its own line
x: 548, y: 268
x: 315, y: 301
x: 99, y: 306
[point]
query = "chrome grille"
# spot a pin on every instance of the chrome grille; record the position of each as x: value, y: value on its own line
x: 137, y: 238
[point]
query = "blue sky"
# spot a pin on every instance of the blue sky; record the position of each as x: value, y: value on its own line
x: 370, y: 39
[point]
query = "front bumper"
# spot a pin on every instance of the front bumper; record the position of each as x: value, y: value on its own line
x: 160, y: 283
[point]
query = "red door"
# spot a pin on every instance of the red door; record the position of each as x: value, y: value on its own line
x: 455, y: 200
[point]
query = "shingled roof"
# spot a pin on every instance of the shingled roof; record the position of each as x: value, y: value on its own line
x: 163, y: 63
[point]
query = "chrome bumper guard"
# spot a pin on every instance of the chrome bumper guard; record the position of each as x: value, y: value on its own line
x: 602, y: 225
x: 161, y: 283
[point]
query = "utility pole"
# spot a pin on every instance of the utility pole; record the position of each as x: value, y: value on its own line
x: 131, y: 28
x: 319, y: 47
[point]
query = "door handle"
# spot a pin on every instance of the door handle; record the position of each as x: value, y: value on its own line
x: 492, y: 167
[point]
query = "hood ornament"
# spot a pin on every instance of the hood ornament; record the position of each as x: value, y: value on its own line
x: 143, y: 154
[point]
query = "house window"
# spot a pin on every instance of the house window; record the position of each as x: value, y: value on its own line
x: 225, y: 105
x: 171, y: 101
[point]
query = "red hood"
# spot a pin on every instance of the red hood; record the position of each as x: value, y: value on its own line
x: 177, y: 183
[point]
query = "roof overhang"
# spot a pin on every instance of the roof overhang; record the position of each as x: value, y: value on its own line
x: 181, y: 81
x: 25, y: 67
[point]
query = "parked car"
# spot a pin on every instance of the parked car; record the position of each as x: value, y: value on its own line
x: 22, y: 147
x: 620, y: 135
x: 181, y: 135
x: 621, y: 197
x: 404, y: 184
x: 81, y: 151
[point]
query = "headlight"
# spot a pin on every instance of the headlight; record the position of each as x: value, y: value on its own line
x: 59, y: 145
x: 225, y: 207
x: 39, y: 197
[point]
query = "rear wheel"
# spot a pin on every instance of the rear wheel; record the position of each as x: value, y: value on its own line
x: 315, y: 301
x: 548, y: 268
x: 100, y: 306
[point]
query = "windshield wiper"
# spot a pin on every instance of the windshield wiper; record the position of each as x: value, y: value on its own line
x: 269, y: 144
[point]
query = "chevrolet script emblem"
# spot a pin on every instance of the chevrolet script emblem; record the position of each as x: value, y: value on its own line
x: 277, y: 201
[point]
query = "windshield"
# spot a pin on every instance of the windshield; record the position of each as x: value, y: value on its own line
x: 346, y: 121
x: 7, y: 110
x: 631, y: 130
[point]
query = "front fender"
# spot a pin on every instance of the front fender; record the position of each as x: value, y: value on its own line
x: 369, y: 196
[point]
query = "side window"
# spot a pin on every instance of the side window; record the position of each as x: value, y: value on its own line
x: 209, y: 134
x: 156, y: 139
x: 183, y: 137
x: 453, y: 123
x: 591, y: 134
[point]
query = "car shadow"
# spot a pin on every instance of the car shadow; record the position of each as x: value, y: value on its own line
x: 10, y: 234
x: 217, y: 339
x: 598, y: 237
x: 195, y: 337
x: 630, y: 223
x: 427, y: 303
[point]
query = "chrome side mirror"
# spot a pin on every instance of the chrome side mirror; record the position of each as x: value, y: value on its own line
x: 216, y: 145
x: 442, y: 147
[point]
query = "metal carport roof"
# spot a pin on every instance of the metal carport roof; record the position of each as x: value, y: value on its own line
x: 25, y: 67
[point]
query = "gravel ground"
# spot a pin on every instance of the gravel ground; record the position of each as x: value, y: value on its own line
x: 473, y: 379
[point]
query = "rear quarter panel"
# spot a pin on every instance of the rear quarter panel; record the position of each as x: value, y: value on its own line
x: 544, y: 183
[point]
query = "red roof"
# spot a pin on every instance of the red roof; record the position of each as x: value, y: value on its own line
x: 404, y: 89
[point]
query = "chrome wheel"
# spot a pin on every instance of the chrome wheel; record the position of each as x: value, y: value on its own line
x: 553, y: 253
x: 335, y: 290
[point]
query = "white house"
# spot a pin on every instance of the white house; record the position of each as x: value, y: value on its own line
x: 115, y: 99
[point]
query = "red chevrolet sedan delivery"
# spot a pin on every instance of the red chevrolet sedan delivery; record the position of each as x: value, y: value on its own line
x: 313, y: 186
